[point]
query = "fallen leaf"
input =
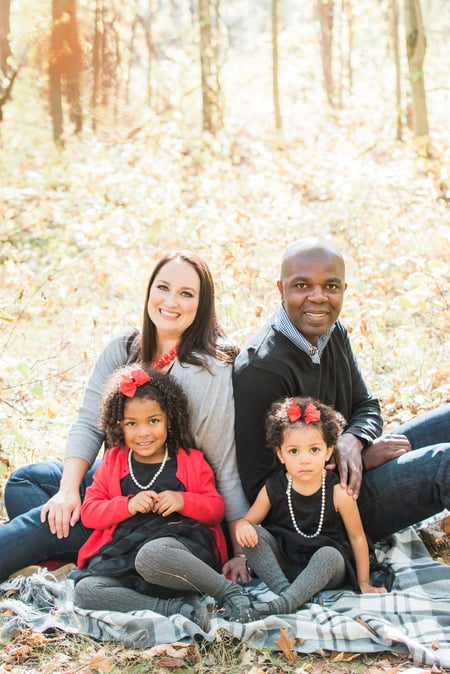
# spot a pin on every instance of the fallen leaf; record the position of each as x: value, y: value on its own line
x: 344, y: 657
x: 101, y: 662
x: 285, y: 644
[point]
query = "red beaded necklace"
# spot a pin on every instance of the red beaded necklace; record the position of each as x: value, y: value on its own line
x: 166, y: 359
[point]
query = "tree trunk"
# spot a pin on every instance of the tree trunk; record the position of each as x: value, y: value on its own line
x: 325, y: 9
x: 5, y: 51
x: 415, y: 49
x: 211, y: 108
x: 65, y: 66
x: 96, y: 60
x: 396, y: 50
x: 275, y: 83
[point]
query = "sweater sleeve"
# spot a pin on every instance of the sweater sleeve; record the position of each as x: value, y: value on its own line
x: 255, y: 389
x: 365, y: 421
x: 102, y: 507
x: 85, y: 438
x: 211, y: 412
x: 202, y: 502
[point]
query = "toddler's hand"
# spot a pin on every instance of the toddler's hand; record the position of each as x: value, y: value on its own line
x: 367, y: 588
x: 246, y: 534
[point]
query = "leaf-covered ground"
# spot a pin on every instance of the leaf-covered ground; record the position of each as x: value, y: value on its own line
x: 81, y: 230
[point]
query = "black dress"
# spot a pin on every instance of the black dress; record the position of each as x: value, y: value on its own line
x: 294, y: 548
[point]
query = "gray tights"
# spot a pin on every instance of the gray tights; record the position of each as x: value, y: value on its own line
x: 165, y: 562
x: 325, y: 570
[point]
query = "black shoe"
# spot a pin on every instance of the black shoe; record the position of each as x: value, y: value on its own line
x: 192, y: 608
x: 237, y: 606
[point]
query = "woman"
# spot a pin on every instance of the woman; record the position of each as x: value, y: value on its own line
x: 180, y: 334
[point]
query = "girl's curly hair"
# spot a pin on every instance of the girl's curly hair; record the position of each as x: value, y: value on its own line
x: 163, y: 389
x: 331, y: 423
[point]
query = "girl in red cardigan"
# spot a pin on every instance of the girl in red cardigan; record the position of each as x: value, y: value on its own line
x: 154, y: 509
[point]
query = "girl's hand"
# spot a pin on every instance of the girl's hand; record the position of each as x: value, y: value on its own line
x: 367, y: 588
x: 142, y: 502
x: 168, y: 502
x: 246, y: 534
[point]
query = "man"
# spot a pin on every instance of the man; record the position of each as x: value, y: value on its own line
x: 305, y: 350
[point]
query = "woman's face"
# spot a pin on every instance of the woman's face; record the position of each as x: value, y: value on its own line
x: 173, y: 299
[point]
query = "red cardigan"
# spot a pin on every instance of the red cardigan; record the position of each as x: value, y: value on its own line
x: 104, y: 506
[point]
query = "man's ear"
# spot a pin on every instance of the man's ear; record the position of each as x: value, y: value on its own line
x: 280, y: 288
x: 279, y: 455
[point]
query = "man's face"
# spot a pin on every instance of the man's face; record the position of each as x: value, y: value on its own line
x: 312, y: 290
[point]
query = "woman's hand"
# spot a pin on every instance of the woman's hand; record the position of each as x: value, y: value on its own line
x: 62, y: 511
x: 236, y: 569
x: 168, y: 502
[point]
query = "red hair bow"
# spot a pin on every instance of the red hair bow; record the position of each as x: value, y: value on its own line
x: 294, y: 411
x: 311, y: 413
x: 128, y: 385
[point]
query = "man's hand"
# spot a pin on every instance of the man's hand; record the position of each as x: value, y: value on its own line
x: 236, y: 570
x: 384, y: 449
x: 62, y: 511
x: 349, y: 462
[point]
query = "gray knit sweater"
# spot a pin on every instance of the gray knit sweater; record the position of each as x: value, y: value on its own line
x: 211, y: 410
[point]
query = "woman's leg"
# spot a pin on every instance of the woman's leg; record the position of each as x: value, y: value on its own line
x: 325, y: 570
x: 265, y: 560
x: 26, y: 540
x: 33, y: 485
x: 169, y: 563
x: 108, y: 594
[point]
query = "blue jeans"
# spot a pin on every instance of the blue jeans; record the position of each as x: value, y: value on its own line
x: 415, y: 486
x: 25, y: 540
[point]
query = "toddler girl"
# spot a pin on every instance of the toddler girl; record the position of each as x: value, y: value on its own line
x: 312, y: 537
x: 154, y: 509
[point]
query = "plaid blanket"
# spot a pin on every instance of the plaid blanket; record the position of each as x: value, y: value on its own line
x: 413, y: 618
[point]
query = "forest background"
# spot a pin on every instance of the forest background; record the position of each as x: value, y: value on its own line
x: 230, y: 128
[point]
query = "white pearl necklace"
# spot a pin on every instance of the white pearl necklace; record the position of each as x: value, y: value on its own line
x: 157, y: 474
x: 291, y: 509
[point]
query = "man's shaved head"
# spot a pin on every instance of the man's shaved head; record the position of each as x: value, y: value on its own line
x: 310, y: 247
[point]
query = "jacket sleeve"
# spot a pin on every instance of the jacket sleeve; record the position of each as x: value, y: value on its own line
x: 202, y: 501
x: 85, y: 438
x: 102, y: 507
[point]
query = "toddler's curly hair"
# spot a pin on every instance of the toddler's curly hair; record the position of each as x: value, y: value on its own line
x: 331, y: 423
x: 163, y: 389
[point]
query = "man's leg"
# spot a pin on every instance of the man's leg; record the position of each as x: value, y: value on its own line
x: 405, y: 491
x: 427, y: 429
